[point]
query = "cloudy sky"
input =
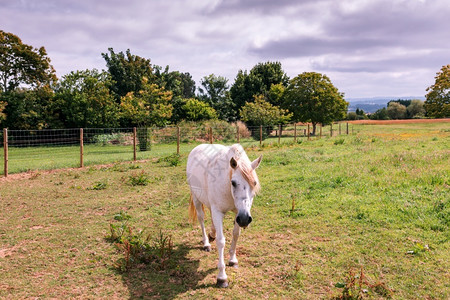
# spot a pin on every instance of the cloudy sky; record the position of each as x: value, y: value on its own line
x: 368, y: 48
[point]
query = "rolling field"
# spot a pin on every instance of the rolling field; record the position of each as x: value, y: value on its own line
x: 362, y: 215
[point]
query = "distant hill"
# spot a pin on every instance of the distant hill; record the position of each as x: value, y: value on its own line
x: 371, y: 105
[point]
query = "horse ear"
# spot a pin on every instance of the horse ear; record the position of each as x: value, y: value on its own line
x: 233, y: 163
x: 256, y: 162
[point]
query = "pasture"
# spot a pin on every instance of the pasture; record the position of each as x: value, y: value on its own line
x: 366, y: 214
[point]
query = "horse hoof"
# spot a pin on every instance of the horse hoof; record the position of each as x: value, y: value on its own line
x: 233, y: 264
x: 211, y: 238
x: 207, y: 248
x: 222, y: 283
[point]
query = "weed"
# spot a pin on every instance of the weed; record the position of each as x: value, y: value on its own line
x: 138, y: 179
x: 122, y: 216
x: 357, y: 286
x: 99, y: 185
x: 339, y: 141
x: 172, y: 160
x: 140, y: 248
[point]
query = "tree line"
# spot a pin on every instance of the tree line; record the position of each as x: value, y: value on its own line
x: 132, y: 91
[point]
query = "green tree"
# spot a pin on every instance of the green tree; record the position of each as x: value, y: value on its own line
x: 127, y: 71
x: 437, y: 103
x: 396, y: 110
x: 415, y: 109
x: 21, y: 64
x: 180, y: 84
x: 28, y: 108
x: 2, y: 114
x: 83, y: 99
x: 196, y: 110
x: 380, y: 114
x: 150, y: 106
x: 214, y: 90
x: 313, y: 98
x: 257, y: 82
x: 260, y: 112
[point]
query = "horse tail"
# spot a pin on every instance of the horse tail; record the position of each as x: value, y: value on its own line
x: 192, y: 211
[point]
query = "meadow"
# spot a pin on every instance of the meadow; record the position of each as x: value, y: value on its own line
x: 365, y: 215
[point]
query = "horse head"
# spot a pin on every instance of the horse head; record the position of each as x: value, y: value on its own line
x: 244, y: 186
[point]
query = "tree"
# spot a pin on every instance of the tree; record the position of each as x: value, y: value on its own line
x: 28, y: 108
x: 380, y: 114
x: 23, y: 64
x: 180, y: 84
x: 415, y: 109
x: 127, y: 72
x: 396, y: 110
x: 196, y: 110
x: 261, y: 112
x: 215, y: 92
x: 83, y: 99
x: 257, y: 82
x: 150, y: 106
x: 437, y: 103
x: 313, y: 98
x: 2, y: 108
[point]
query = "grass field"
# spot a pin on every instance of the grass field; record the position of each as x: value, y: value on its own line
x: 366, y: 214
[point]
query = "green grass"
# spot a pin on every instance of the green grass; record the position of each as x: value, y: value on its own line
x: 377, y: 201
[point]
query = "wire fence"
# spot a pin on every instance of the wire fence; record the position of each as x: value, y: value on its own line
x: 28, y: 150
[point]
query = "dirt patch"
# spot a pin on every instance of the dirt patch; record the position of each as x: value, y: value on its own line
x: 393, y: 122
x: 37, y: 173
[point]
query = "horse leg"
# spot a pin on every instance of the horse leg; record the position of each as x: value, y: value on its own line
x: 233, y: 259
x: 220, y: 243
x: 212, y: 234
x: 201, y: 220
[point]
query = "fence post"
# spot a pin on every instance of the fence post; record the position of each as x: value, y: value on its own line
x: 238, y: 137
x: 134, y: 143
x: 295, y: 132
x: 331, y: 129
x: 320, y: 131
x: 279, y: 134
x: 210, y: 135
x: 347, y: 128
x: 260, y: 135
x: 339, y: 128
x: 81, y: 148
x: 309, y: 133
x: 5, y: 149
x: 178, y: 139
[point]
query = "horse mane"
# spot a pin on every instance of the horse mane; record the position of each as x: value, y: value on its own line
x: 244, y: 165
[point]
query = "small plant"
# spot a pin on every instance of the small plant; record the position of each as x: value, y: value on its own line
x: 122, y: 216
x: 172, y: 160
x: 339, y: 141
x: 138, y: 179
x: 99, y: 185
x: 356, y: 286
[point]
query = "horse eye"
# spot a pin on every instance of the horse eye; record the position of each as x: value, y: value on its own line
x: 233, y: 183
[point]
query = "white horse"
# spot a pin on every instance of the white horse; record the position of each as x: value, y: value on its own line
x: 222, y: 179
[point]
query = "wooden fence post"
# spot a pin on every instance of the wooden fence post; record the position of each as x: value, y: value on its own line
x: 295, y: 132
x: 308, y: 132
x: 260, y: 135
x: 5, y: 149
x: 331, y: 129
x: 238, y: 137
x: 279, y: 134
x: 347, y: 128
x: 134, y: 143
x: 178, y: 139
x: 210, y: 135
x: 320, y: 136
x: 81, y: 148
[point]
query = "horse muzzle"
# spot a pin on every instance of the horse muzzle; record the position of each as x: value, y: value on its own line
x: 243, y: 219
